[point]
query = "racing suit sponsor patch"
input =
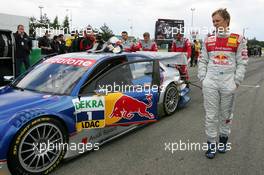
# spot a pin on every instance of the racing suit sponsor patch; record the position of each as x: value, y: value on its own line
x: 211, y: 39
x: 244, y: 54
x: 221, y: 59
x: 232, y: 41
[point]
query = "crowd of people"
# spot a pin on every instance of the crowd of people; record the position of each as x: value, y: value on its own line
x: 255, y: 51
x: 90, y: 39
x: 56, y: 45
x: 78, y: 43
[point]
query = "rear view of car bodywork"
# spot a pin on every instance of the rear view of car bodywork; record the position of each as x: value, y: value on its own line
x: 171, y: 80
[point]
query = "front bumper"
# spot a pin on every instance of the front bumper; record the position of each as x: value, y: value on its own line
x: 3, y: 168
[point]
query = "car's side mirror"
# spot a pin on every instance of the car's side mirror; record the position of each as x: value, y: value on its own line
x: 9, y: 78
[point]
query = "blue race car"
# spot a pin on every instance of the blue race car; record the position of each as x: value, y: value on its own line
x: 82, y: 99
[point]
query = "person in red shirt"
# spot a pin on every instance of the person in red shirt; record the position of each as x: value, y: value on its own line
x: 147, y: 44
x: 181, y: 44
x: 88, y: 41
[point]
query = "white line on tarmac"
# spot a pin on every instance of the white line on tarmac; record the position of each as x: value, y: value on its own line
x: 250, y: 86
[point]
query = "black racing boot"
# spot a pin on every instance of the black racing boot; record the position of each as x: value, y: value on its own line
x: 222, y: 144
x: 210, y: 153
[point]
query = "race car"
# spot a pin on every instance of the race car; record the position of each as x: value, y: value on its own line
x: 82, y: 99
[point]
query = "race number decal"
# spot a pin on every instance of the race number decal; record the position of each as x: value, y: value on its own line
x: 89, y: 112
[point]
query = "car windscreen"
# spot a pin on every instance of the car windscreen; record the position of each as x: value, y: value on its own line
x: 55, y: 76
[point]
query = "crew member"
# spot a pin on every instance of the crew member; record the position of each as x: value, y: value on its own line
x: 88, y: 41
x: 181, y: 44
x: 147, y: 44
x: 128, y: 46
x: 23, y: 49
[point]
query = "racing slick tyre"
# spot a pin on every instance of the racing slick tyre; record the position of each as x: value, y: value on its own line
x: 171, y: 99
x: 38, y: 147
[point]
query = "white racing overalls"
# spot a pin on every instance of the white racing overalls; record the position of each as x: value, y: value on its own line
x: 221, y: 68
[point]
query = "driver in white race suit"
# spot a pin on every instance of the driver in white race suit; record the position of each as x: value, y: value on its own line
x: 222, y: 66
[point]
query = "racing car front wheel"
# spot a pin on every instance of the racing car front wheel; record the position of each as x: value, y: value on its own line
x: 38, y: 147
x: 171, y: 99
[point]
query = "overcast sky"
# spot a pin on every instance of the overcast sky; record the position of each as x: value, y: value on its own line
x: 119, y: 15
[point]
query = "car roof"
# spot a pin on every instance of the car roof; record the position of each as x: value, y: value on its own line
x: 85, y: 55
x: 101, y: 56
x: 165, y: 57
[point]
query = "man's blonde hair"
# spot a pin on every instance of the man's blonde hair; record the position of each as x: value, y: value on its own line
x: 146, y: 34
x: 223, y: 13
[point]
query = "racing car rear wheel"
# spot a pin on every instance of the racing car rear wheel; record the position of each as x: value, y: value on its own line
x: 171, y: 99
x: 38, y: 147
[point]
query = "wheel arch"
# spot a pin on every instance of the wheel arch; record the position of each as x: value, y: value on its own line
x: 21, y: 119
x: 26, y: 127
x: 165, y: 85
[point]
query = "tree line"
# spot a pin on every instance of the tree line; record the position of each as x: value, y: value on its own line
x: 45, y: 22
x: 254, y: 42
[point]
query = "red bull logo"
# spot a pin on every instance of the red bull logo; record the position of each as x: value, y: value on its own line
x: 221, y: 59
x: 126, y: 107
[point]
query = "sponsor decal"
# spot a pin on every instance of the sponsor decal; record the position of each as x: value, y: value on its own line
x: 126, y: 107
x: 89, y: 104
x: 96, y: 136
x: 90, y: 120
x: 102, y: 133
x: 98, y: 112
x: 211, y: 39
x: 89, y: 112
x: 81, y: 62
x: 91, y: 124
x: 109, y: 130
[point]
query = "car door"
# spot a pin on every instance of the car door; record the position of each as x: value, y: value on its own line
x: 126, y: 94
